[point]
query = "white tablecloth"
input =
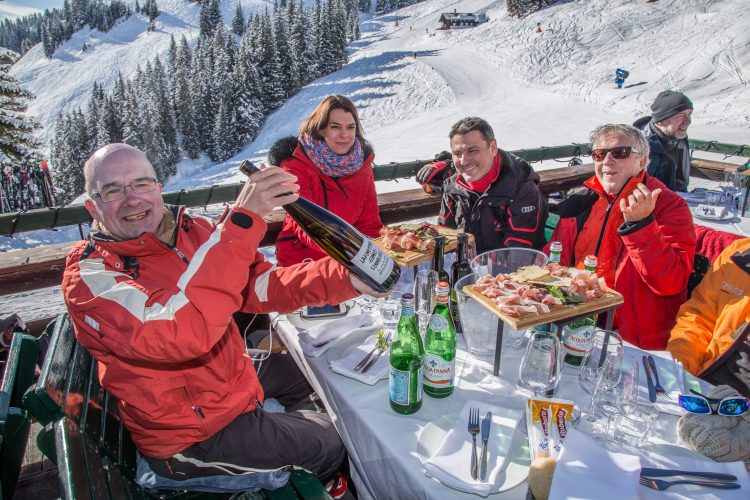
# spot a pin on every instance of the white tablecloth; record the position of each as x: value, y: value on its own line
x: 737, y: 224
x: 383, y: 444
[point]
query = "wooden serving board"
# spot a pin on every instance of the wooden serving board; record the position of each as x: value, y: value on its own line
x: 610, y: 299
x: 410, y: 258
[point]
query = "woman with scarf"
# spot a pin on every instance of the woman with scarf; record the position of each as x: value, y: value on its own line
x: 333, y: 165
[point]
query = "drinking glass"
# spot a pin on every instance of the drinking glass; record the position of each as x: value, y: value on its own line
x: 631, y: 429
x: 541, y: 365
x: 424, y: 297
x: 606, y: 398
x: 369, y: 304
x: 606, y: 343
x: 390, y: 312
x: 630, y: 374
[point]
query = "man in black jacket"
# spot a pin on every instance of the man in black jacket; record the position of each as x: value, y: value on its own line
x: 493, y: 195
x: 666, y: 133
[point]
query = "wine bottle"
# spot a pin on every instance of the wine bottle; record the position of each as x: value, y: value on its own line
x: 459, y: 269
x: 342, y: 241
x: 438, y: 262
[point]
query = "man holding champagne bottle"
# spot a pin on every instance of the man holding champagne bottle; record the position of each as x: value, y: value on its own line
x: 151, y: 293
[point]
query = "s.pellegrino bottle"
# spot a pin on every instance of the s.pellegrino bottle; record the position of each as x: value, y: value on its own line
x: 439, y: 365
x: 459, y: 269
x: 342, y: 241
x: 405, y: 379
x: 578, y: 336
x: 438, y: 259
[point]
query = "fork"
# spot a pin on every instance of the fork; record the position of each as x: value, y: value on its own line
x: 474, y: 430
x: 660, y: 392
x: 660, y: 485
x: 387, y: 342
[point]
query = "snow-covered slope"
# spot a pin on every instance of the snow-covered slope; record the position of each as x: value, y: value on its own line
x: 535, y: 89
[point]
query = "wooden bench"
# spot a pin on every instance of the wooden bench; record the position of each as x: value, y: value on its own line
x: 15, y: 421
x: 710, y: 169
x: 95, y: 455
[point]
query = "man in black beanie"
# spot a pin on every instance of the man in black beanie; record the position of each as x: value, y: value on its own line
x: 666, y: 132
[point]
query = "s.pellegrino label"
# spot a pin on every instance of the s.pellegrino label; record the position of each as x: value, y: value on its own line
x: 342, y: 241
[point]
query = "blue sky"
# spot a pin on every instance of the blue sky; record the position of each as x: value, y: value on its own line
x: 15, y: 8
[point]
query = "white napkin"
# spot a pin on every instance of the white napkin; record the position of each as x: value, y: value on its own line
x: 670, y: 376
x: 710, y: 211
x: 333, y: 330
x: 587, y: 470
x: 451, y: 463
x: 681, y: 459
x: 376, y: 372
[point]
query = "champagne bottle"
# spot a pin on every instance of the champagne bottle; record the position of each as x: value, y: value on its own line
x: 439, y: 365
x: 438, y: 259
x: 342, y: 241
x: 405, y: 379
x: 459, y: 269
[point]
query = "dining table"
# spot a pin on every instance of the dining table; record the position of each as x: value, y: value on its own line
x: 732, y: 222
x: 387, y: 450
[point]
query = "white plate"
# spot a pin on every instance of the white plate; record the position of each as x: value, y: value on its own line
x: 727, y: 215
x: 517, y: 465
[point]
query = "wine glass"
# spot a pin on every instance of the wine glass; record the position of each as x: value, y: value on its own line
x: 541, y: 365
x: 424, y: 296
x: 390, y: 312
x: 605, y: 343
x: 369, y: 304
x: 630, y: 379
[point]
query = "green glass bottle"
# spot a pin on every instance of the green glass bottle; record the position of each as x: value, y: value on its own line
x: 439, y: 365
x: 578, y: 337
x: 407, y: 353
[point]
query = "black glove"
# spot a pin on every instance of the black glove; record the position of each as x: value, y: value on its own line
x: 436, y: 172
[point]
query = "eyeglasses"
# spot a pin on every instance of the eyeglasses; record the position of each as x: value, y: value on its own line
x: 618, y: 153
x: 729, y: 407
x: 112, y: 192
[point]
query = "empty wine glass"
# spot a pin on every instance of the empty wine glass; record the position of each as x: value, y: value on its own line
x: 605, y: 343
x: 369, y: 304
x: 424, y: 296
x: 606, y: 398
x: 541, y: 365
x: 630, y: 379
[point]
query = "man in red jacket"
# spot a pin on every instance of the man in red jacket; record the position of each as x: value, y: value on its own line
x: 641, y: 233
x: 151, y: 294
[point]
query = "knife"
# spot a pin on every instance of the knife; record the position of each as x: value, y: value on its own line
x: 651, y: 472
x: 486, y: 421
x: 649, y: 380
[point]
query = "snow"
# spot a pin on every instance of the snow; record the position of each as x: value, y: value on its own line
x: 535, y: 89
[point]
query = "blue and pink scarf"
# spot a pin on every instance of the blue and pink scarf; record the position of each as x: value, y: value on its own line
x: 328, y: 162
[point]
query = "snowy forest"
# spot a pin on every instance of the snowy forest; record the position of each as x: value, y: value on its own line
x: 211, y: 98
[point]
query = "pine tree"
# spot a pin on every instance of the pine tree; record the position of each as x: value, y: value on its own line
x: 210, y: 17
x: 267, y: 62
x: 364, y: 5
x: 287, y: 68
x: 16, y: 140
x: 238, y: 21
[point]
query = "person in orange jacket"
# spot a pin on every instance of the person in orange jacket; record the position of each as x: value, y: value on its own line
x: 711, y: 337
x: 152, y: 292
x: 641, y: 233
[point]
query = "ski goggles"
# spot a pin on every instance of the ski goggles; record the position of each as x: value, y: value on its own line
x: 618, y: 153
x: 729, y: 407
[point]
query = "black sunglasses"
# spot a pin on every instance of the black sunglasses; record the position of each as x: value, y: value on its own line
x: 618, y: 153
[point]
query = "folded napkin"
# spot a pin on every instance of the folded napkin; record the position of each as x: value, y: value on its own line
x: 376, y: 372
x: 451, y: 464
x: 587, y: 470
x: 332, y: 331
x: 678, y: 458
x: 710, y: 211
x: 670, y: 375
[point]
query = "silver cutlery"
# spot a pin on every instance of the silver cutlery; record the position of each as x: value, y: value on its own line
x: 718, y: 476
x: 373, y: 359
x: 661, y: 485
x: 474, y: 430
x: 361, y: 365
x: 486, y: 422
x: 649, y: 380
x: 660, y: 392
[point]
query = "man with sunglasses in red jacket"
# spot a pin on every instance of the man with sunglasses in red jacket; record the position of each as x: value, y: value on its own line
x: 151, y: 293
x: 641, y: 233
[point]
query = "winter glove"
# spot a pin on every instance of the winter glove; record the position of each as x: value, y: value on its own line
x: 437, y: 171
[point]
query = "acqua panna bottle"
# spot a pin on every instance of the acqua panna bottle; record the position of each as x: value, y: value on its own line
x: 342, y: 241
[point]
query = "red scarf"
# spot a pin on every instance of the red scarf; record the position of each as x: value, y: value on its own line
x: 485, y: 182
